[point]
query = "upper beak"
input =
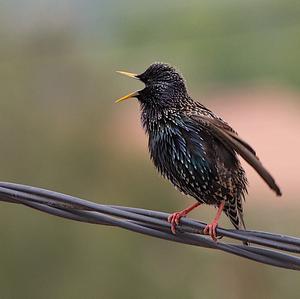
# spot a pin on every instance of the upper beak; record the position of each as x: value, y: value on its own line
x: 131, y: 95
x: 132, y: 75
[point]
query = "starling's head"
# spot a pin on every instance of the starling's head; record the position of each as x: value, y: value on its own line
x: 164, y: 86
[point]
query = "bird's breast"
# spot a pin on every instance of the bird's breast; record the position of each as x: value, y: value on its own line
x: 179, y: 153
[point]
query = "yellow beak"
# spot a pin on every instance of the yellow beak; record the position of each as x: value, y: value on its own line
x: 131, y: 95
x: 132, y: 75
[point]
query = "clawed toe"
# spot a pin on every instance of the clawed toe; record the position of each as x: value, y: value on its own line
x: 174, y: 220
x: 210, y: 229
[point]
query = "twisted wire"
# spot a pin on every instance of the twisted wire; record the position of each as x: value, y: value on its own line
x: 265, y: 247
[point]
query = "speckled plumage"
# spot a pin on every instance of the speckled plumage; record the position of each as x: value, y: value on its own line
x: 191, y: 146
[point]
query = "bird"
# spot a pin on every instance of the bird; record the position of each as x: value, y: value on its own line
x: 193, y: 148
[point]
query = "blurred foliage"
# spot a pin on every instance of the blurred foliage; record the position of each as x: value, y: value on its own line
x: 57, y: 62
x: 225, y: 42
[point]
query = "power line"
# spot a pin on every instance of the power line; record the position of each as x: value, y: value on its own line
x: 154, y: 223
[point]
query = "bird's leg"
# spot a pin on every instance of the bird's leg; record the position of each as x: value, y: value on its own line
x: 175, y: 217
x: 210, y: 229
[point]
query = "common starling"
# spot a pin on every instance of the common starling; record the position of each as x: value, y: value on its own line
x: 194, y: 148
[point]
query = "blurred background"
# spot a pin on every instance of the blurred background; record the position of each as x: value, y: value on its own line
x: 61, y: 130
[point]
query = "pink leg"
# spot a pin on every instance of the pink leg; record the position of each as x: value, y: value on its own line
x: 210, y: 229
x: 175, y: 217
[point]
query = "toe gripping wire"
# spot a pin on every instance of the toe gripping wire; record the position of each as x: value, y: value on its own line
x: 264, y: 247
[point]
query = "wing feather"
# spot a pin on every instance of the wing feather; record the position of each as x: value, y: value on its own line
x: 229, y: 138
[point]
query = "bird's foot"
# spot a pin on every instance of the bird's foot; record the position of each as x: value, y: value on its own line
x: 210, y: 229
x: 174, y: 220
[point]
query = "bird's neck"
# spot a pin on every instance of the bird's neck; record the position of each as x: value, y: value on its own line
x: 154, y: 119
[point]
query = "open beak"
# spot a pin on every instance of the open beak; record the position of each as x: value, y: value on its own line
x: 131, y: 95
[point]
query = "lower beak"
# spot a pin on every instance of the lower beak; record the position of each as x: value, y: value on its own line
x: 131, y: 95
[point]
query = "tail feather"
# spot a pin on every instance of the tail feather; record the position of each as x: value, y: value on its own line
x: 235, y: 215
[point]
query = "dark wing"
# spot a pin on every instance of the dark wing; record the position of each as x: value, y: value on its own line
x: 229, y: 138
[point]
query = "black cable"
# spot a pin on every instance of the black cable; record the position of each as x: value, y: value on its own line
x: 154, y: 223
